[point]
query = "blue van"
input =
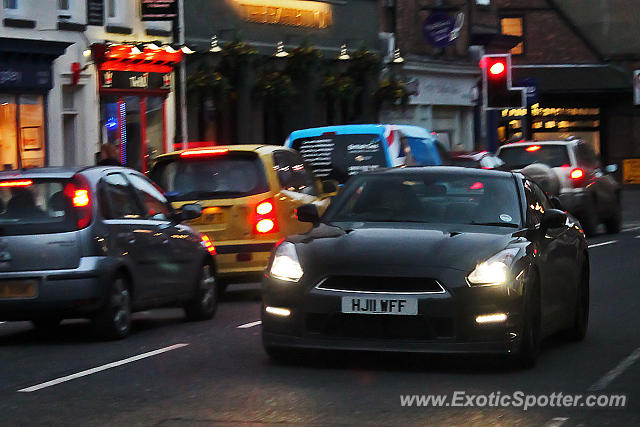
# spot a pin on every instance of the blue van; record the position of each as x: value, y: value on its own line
x: 337, y: 152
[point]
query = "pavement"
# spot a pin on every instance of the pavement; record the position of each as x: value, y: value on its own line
x: 173, y: 372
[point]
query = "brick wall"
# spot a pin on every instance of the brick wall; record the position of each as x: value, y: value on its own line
x: 548, y: 38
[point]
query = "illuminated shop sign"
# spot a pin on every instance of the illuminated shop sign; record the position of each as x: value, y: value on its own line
x: 536, y: 111
x: 110, y: 79
x: 296, y: 13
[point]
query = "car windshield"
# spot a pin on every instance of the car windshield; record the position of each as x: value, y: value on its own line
x: 517, y: 157
x: 338, y: 157
x: 34, y: 206
x: 444, y: 198
x: 229, y: 175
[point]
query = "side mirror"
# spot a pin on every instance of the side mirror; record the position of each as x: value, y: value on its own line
x: 611, y: 168
x: 308, y: 213
x: 190, y: 211
x: 553, y: 218
x: 330, y: 186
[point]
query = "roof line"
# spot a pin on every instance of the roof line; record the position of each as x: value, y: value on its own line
x: 576, y: 30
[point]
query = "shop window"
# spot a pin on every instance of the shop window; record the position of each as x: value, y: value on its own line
x: 22, y: 136
x: 514, y: 26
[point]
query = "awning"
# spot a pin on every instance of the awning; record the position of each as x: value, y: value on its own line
x: 577, y: 78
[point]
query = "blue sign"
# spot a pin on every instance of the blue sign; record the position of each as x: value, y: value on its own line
x: 437, y: 29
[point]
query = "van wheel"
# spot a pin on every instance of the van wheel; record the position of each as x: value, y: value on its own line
x: 204, y: 303
x: 589, y: 219
x: 113, y: 321
x: 531, y: 334
x: 614, y: 223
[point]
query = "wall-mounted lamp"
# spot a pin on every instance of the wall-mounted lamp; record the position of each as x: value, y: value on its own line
x: 280, y: 52
x: 344, y: 56
x: 215, y: 47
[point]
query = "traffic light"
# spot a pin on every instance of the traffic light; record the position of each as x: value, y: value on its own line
x: 496, y: 80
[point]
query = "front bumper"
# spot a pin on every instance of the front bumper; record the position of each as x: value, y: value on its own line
x: 446, y: 322
x: 65, y: 293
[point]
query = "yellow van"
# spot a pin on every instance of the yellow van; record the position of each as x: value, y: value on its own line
x: 249, y: 195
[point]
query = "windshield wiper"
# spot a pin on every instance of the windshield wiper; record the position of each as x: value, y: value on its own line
x: 498, y: 224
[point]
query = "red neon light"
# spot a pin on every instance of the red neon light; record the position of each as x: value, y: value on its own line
x: 18, y: 183
x: 497, y: 68
x: 204, y: 152
x: 206, y: 241
x: 533, y: 148
x: 476, y: 186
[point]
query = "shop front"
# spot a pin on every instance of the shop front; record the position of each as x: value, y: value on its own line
x: 134, y: 84
x: 25, y: 80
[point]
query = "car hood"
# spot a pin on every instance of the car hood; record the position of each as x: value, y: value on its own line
x: 385, y: 248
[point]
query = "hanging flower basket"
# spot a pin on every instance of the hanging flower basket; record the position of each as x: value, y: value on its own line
x: 207, y: 79
x: 340, y: 87
x: 301, y: 60
x: 391, y: 91
x: 235, y: 56
x: 274, y: 85
x: 363, y: 62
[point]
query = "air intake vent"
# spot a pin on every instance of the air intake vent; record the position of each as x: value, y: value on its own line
x: 381, y: 284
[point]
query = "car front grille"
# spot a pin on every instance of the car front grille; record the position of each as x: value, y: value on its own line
x: 420, y: 327
x: 380, y: 284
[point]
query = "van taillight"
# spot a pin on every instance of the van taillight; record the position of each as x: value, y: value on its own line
x: 577, y: 177
x: 265, y: 217
x: 78, y: 193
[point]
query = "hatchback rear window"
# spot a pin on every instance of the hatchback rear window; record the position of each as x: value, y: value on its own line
x: 517, y: 157
x: 34, y: 206
x: 218, y: 176
x: 340, y: 156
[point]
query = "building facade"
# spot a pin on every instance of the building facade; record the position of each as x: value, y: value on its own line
x: 264, y: 68
x: 60, y: 99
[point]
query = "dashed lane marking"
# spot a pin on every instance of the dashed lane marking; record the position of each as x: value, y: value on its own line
x: 595, y: 245
x: 250, y: 325
x: 100, y: 368
x: 603, y: 382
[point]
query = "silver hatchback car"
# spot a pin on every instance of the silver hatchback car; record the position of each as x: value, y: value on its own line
x: 98, y: 243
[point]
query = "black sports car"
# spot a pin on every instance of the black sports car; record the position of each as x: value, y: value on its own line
x: 439, y: 259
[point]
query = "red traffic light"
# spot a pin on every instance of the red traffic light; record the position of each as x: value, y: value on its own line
x: 497, y: 68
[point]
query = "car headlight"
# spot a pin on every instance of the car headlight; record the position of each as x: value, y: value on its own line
x: 495, y: 270
x: 286, y: 265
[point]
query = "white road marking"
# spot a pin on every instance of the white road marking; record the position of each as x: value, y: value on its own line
x: 556, y: 422
x: 250, y: 325
x: 100, y: 368
x: 2, y: 323
x: 631, y: 228
x: 638, y: 236
x: 595, y: 245
x: 603, y: 382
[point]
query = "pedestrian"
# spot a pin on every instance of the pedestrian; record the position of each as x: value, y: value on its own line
x: 108, y: 156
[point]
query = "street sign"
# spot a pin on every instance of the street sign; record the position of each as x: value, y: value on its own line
x: 437, y: 29
x: 636, y: 87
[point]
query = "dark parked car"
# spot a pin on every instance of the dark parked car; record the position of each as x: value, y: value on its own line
x: 98, y: 243
x: 588, y: 191
x: 438, y: 259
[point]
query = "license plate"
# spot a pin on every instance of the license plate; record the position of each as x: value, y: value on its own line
x: 18, y: 289
x: 380, y: 305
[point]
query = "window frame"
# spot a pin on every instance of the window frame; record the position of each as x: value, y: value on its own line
x: 140, y: 197
x: 18, y: 11
x: 102, y: 198
x: 289, y: 160
x: 523, y: 38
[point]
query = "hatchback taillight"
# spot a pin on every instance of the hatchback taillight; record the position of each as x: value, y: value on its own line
x: 78, y: 192
x: 265, y: 220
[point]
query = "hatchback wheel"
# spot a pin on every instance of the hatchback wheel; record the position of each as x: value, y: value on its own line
x: 204, y: 303
x: 113, y: 321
